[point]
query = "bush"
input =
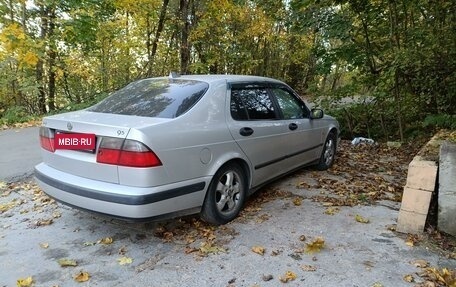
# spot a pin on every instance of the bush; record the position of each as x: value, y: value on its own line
x: 15, y: 114
x: 443, y: 121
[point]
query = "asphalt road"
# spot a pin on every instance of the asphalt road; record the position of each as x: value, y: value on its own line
x: 38, y: 238
x: 19, y: 153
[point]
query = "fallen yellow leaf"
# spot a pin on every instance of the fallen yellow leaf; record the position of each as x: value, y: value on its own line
x: 44, y: 245
x: 412, y: 240
x: 124, y: 260
x: 361, y: 219
x: 409, y: 278
x: 189, y: 250
x: 297, y: 201
x: 316, y: 245
x: 420, y: 263
x: 43, y: 222
x: 24, y: 282
x: 289, y: 276
x: 309, y: 268
x: 208, y: 247
x: 258, y: 250
x: 7, y: 206
x: 332, y: 210
x: 65, y: 262
x: 81, y: 276
x: 106, y: 240
x: 437, y: 277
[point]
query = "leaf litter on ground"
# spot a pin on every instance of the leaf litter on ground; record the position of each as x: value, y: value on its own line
x: 81, y: 276
x: 361, y: 219
x: 125, y: 260
x: 315, y: 246
x: 363, y: 174
x: 288, y: 276
x: 66, y: 262
x: 24, y: 282
x: 258, y: 250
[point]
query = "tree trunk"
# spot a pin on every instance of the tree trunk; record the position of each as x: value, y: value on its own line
x: 397, y: 100
x: 127, y: 48
x: 368, y: 47
x: 158, y: 31
x: 40, y: 65
x: 185, y: 31
x: 148, y: 47
x: 11, y: 10
x: 104, y: 68
x: 52, y: 55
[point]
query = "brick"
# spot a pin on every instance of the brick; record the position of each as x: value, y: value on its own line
x: 422, y: 174
x: 411, y: 222
x: 416, y: 200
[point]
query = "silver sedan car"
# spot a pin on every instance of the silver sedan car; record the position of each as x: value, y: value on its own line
x: 170, y: 146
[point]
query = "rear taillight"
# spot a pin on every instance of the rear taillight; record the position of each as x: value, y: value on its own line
x: 47, y: 139
x: 126, y: 153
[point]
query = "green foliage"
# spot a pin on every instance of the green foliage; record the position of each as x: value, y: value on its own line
x: 443, y: 121
x: 15, y: 114
x: 385, y: 69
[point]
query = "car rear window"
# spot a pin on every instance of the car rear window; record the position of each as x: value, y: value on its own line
x: 159, y: 97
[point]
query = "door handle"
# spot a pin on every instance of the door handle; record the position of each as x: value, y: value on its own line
x: 292, y: 126
x: 245, y: 131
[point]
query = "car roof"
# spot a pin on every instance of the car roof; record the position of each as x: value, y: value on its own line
x: 228, y: 78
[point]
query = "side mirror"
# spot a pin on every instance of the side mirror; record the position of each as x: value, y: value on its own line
x: 316, y: 114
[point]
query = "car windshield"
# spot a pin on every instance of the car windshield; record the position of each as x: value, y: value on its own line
x: 159, y: 97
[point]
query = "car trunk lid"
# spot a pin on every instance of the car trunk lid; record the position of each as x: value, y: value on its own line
x: 84, y: 162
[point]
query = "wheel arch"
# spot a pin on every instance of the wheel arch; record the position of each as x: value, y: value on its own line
x: 208, y: 212
x: 334, y: 130
x: 241, y: 162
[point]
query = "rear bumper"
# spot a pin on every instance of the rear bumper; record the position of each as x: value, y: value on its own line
x: 134, y: 203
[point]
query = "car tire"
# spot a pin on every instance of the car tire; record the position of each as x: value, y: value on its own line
x: 225, y: 195
x: 328, y: 153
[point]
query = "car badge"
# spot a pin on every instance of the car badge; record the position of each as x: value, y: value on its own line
x: 69, y: 126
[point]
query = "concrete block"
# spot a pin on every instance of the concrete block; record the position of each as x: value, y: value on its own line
x: 416, y: 200
x: 411, y: 222
x: 447, y: 189
x: 447, y: 217
x: 422, y: 175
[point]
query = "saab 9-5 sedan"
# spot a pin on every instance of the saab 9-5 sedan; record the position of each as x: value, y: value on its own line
x: 169, y: 146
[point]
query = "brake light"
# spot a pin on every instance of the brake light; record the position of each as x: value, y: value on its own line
x: 126, y: 153
x: 47, y: 139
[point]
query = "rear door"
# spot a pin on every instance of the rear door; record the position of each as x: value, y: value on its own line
x: 254, y: 124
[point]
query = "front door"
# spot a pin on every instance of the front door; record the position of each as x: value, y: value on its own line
x: 256, y: 127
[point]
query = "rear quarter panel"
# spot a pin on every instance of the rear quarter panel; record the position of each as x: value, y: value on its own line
x: 194, y: 145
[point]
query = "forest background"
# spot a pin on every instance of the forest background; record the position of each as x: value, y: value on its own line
x: 384, y: 68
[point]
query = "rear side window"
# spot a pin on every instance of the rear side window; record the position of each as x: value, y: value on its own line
x: 251, y: 104
x: 161, y: 98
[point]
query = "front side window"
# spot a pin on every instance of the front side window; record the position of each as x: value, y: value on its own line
x: 251, y: 104
x: 291, y: 107
x: 159, y: 97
